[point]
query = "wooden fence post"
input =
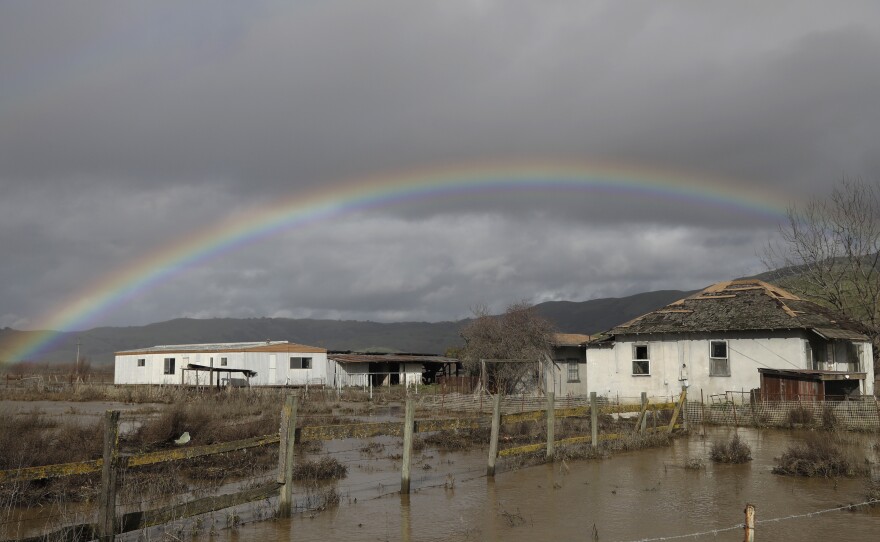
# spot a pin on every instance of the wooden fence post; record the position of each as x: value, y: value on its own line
x: 702, y: 412
x: 644, y: 414
x: 684, y: 410
x: 676, y: 410
x: 749, y: 526
x: 107, y: 499
x: 286, y: 455
x: 407, y: 446
x: 493, y: 439
x: 594, y: 419
x: 551, y: 424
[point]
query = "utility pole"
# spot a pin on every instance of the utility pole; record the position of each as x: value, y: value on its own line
x: 76, y: 363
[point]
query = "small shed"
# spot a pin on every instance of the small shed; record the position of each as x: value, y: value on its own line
x: 353, y: 369
x: 808, y: 385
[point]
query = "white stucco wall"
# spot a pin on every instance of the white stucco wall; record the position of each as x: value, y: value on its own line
x: 609, y: 370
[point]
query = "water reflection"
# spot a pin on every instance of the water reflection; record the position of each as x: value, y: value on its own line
x: 630, y: 496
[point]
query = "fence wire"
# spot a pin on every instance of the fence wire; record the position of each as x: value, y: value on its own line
x: 757, y: 522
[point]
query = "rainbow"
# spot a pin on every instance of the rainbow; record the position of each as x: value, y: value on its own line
x: 122, y: 284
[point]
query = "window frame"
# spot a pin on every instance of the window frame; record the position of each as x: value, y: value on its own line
x: 305, y: 363
x: 141, y: 362
x: 169, y: 367
x: 224, y: 362
x: 573, y: 373
x: 715, y: 361
x: 645, y: 361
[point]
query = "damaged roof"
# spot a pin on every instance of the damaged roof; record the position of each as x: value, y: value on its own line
x: 741, y: 305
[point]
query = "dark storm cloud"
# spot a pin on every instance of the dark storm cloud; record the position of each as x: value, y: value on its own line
x: 124, y: 127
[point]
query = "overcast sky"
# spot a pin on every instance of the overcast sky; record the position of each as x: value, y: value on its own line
x: 124, y: 126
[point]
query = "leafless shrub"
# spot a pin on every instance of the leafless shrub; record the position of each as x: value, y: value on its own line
x: 817, y: 456
x: 462, y: 439
x: 514, y: 345
x: 694, y: 463
x: 734, y: 450
x: 829, y: 418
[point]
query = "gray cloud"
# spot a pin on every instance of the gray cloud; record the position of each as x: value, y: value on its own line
x: 123, y: 128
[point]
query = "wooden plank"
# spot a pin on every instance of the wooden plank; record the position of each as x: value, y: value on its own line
x: 50, y: 471
x: 535, y: 415
x: 197, y: 451
x: 141, y: 520
x: 71, y: 533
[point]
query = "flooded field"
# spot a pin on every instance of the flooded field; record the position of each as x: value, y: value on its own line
x: 639, y: 495
x: 632, y: 496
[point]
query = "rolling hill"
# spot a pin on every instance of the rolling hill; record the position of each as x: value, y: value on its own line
x: 99, y: 344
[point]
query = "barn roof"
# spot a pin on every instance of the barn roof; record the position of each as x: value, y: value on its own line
x: 741, y: 305
x: 208, y: 348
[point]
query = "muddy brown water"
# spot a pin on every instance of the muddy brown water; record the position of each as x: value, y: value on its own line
x: 639, y: 495
x: 646, y: 494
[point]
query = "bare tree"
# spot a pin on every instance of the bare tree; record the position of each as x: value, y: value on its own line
x: 830, y: 253
x: 514, y: 345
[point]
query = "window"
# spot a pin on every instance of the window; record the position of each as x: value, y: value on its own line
x: 641, y: 362
x: 300, y: 363
x: 169, y: 366
x: 573, y: 375
x: 719, y: 363
x: 224, y: 362
x: 142, y: 362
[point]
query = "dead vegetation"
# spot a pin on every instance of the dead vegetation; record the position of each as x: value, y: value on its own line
x: 34, y: 439
x: 799, y: 416
x: 585, y: 450
x: 817, y: 456
x: 734, y: 450
x: 326, y: 468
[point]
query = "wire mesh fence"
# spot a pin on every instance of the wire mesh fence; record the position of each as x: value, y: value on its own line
x: 857, y: 415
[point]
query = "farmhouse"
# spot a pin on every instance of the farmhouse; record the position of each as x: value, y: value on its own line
x: 267, y: 363
x: 724, y: 337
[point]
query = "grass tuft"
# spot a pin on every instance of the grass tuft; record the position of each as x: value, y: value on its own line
x: 817, y: 456
x: 735, y: 450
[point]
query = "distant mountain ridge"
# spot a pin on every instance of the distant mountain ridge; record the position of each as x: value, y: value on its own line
x: 100, y: 344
